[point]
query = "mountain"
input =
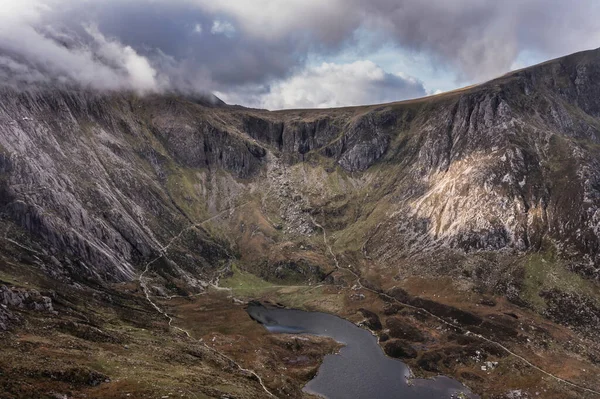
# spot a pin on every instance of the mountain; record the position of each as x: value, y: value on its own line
x: 482, y: 202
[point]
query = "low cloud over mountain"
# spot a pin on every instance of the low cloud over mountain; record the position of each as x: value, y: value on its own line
x: 258, y: 53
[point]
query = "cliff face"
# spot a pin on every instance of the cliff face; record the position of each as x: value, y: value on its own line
x: 515, y: 162
x: 506, y: 164
x: 84, y: 174
x: 99, y: 183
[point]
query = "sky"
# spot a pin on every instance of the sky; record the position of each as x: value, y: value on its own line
x: 278, y: 54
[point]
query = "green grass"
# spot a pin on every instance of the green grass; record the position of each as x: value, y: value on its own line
x: 182, y: 185
x: 545, y: 271
x: 535, y: 279
x: 9, y: 279
x: 246, y: 284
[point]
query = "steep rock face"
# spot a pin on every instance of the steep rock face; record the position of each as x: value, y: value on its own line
x: 197, y: 143
x: 505, y: 165
x: 264, y: 130
x: 366, y: 141
x: 468, y: 161
x: 39, y: 175
x: 299, y: 138
x: 104, y: 181
x: 355, y: 141
x: 85, y: 175
x: 294, y: 138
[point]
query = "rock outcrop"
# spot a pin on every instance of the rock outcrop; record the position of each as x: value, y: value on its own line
x: 399, y: 349
x: 25, y: 299
x: 6, y: 318
x: 18, y: 299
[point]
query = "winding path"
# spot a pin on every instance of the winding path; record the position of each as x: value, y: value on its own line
x: 450, y: 324
x: 360, y: 285
x: 143, y: 284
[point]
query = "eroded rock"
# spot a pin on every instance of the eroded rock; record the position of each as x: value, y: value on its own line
x: 25, y: 299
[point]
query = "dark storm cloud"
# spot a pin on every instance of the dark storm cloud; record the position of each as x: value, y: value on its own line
x: 189, y: 47
x: 171, y: 27
x: 259, y: 47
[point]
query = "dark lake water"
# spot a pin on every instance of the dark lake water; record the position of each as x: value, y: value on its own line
x: 361, y: 369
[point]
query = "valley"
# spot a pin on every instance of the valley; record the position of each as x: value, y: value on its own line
x: 462, y: 229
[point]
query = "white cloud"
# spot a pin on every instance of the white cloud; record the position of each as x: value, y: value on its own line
x: 26, y: 10
x: 222, y: 28
x: 137, y: 69
x: 271, y: 19
x: 335, y: 85
x: 198, y: 29
x: 33, y: 52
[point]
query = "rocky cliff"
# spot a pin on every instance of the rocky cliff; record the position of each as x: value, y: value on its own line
x: 99, y: 182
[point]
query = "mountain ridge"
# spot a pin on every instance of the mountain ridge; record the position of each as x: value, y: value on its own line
x: 238, y: 140
x: 492, y: 190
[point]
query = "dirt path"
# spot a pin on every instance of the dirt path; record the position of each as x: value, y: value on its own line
x: 143, y: 284
x: 360, y: 285
x: 465, y: 331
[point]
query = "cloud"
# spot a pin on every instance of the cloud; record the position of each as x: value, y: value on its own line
x: 34, y: 53
x: 335, y: 85
x: 257, y: 51
x: 222, y: 28
x: 137, y: 69
x: 222, y: 59
x: 328, y: 22
x: 479, y: 38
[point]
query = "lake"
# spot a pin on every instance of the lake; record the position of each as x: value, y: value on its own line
x: 361, y: 369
